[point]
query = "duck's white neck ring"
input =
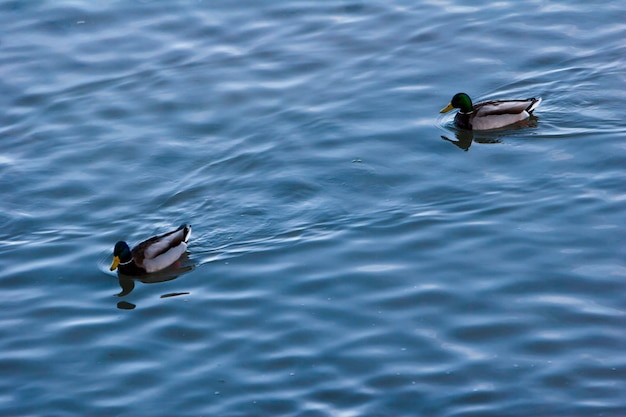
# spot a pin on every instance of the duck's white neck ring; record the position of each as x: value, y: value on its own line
x: 127, y: 262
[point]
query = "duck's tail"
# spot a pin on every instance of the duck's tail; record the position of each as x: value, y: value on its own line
x: 186, y: 232
x: 534, y: 104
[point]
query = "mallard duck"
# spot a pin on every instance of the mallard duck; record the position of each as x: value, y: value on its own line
x: 489, y: 114
x: 151, y: 255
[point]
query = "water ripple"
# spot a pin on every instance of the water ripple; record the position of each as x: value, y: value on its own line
x: 345, y: 259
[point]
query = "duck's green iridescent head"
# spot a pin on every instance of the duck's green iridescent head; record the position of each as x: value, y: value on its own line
x: 460, y: 101
x: 121, y: 253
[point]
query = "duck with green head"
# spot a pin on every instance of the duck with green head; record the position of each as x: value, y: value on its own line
x: 489, y: 115
x: 151, y: 255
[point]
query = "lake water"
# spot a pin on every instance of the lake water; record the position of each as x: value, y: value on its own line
x: 353, y: 253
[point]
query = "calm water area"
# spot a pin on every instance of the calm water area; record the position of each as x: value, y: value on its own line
x: 353, y: 253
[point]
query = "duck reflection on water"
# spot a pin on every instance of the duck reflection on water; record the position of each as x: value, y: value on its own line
x: 465, y: 138
x: 127, y: 283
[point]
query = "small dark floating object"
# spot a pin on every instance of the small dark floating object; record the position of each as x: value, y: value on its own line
x: 174, y: 294
x: 125, y: 305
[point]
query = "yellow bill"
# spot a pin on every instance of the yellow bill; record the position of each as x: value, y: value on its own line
x: 116, y: 262
x: 447, y: 108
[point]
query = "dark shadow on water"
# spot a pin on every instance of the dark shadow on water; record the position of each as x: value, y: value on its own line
x: 465, y: 138
x: 127, y: 283
x: 125, y: 305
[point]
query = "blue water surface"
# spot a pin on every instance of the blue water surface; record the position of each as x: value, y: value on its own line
x: 353, y: 253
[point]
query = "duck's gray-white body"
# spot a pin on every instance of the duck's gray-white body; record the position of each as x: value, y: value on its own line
x: 163, y: 251
x: 500, y: 113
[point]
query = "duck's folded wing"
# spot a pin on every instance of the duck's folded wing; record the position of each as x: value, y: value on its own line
x: 165, y: 259
x: 158, y: 245
x: 500, y: 107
